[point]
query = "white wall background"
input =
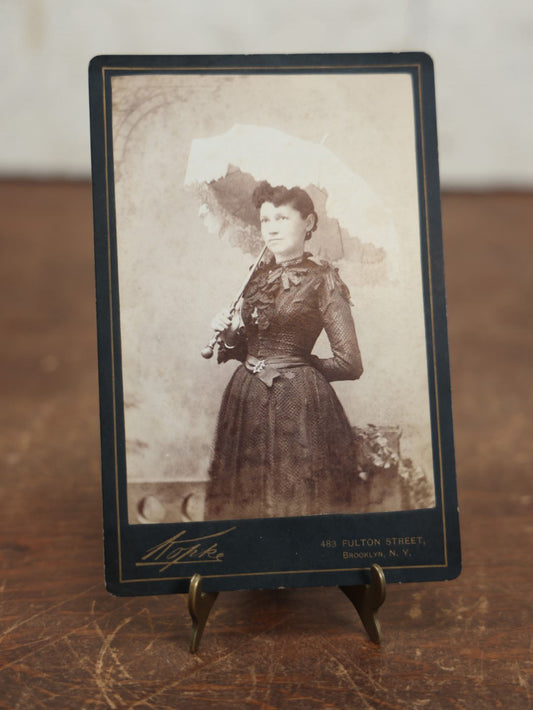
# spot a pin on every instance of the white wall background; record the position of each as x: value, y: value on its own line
x: 483, y: 53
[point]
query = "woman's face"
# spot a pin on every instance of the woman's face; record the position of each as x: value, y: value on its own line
x: 283, y: 228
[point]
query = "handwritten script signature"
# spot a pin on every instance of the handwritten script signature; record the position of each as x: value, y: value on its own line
x: 180, y: 550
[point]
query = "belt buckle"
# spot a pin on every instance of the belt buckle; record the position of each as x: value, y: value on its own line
x: 259, y: 367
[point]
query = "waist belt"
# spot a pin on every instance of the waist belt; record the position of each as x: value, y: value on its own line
x: 270, y: 367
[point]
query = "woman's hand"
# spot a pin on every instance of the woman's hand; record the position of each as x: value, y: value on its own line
x: 221, y: 322
x: 227, y: 325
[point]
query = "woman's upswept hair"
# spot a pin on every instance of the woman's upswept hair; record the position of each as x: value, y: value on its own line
x: 281, y: 195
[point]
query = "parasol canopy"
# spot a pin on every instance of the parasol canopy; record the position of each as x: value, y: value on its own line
x: 225, y: 169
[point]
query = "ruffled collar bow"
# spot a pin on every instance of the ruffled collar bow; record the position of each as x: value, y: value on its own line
x: 290, y: 272
x: 271, y: 279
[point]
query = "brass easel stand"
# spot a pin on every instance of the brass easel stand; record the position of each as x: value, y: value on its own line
x: 200, y: 604
x: 366, y: 598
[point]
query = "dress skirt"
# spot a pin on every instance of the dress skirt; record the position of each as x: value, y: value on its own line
x: 281, y: 450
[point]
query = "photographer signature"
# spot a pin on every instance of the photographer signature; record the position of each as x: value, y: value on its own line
x: 180, y: 550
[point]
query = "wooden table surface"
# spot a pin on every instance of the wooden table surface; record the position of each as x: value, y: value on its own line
x: 66, y: 643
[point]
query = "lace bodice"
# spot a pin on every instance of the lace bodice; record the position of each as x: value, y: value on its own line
x: 284, y: 309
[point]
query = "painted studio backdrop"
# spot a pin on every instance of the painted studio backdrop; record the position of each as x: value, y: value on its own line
x: 183, y: 252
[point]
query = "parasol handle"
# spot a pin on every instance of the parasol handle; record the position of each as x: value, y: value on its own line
x: 209, y: 349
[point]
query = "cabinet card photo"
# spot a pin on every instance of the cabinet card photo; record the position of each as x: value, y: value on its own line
x: 274, y: 378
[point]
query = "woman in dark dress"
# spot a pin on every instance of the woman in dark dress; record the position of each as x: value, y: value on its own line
x: 283, y: 445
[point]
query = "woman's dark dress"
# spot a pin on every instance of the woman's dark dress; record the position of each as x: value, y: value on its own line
x: 283, y: 445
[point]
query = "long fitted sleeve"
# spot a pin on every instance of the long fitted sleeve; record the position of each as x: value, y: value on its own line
x: 334, y: 303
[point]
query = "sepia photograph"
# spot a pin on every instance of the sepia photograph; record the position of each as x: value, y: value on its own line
x: 272, y: 313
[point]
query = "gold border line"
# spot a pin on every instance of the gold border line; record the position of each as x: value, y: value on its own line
x: 433, y: 334
x: 296, y: 571
x: 273, y: 70
x: 207, y: 70
x: 109, y: 269
x: 181, y: 562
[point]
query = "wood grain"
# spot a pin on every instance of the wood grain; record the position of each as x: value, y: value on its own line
x: 66, y: 643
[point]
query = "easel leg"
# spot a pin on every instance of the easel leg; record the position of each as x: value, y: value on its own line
x: 367, y: 599
x: 200, y: 604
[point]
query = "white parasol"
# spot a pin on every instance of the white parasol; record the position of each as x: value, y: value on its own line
x: 225, y: 169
